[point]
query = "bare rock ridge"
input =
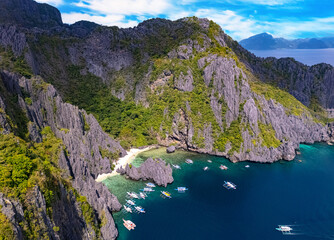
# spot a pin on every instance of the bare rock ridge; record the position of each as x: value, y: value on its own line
x: 88, y: 147
x: 152, y: 169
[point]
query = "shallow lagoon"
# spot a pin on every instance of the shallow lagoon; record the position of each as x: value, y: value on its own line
x: 297, y: 193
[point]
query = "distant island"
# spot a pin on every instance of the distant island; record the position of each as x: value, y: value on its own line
x: 265, y: 41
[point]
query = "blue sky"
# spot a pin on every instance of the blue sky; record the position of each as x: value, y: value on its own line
x: 239, y: 18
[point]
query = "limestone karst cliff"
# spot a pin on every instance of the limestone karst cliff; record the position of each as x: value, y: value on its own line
x: 89, y: 90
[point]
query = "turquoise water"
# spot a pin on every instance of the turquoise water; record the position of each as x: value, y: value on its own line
x: 295, y: 193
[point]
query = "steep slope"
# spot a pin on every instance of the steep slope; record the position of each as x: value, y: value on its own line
x: 183, y: 82
x: 86, y: 152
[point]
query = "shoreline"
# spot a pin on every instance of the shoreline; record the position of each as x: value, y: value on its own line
x: 127, y: 159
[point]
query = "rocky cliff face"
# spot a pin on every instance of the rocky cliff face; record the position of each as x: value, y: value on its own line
x: 152, y: 169
x: 89, y: 151
x: 183, y: 82
x: 197, y: 61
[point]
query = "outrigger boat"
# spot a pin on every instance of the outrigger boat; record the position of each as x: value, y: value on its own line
x: 130, y: 202
x: 132, y: 194
x: 223, y: 167
x: 147, y: 189
x: 176, y: 166
x: 166, y: 194
x: 129, y: 224
x: 150, y: 185
x: 206, y: 168
x: 209, y: 161
x: 142, y: 195
x: 247, y: 166
x: 285, y: 229
x: 229, y: 185
x: 189, y: 161
x: 127, y: 209
x: 140, y: 209
x: 181, y: 189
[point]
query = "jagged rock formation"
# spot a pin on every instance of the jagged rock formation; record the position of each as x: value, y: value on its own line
x: 183, y: 83
x: 90, y: 151
x: 200, y: 62
x: 152, y: 169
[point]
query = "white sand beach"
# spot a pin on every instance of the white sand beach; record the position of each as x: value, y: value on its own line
x: 122, y: 162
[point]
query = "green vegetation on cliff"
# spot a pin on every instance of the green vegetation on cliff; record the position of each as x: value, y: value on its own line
x: 6, y: 229
x: 24, y: 165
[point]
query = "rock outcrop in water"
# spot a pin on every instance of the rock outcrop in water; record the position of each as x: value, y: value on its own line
x: 152, y: 169
x: 183, y: 83
x: 170, y: 149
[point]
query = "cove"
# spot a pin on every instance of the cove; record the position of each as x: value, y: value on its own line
x: 298, y: 193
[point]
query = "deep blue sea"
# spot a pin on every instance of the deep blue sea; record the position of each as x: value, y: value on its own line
x: 298, y: 193
x: 306, y: 56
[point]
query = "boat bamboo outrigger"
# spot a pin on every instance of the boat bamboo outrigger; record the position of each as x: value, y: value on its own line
x: 130, y: 202
x: 223, y: 167
x: 128, y: 209
x: 150, y: 185
x: 140, y: 209
x: 129, y: 224
x: 229, y: 185
x: 189, y: 161
x: 147, y: 189
x: 132, y: 194
x: 165, y: 194
x: 176, y: 166
x: 181, y: 189
x: 285, y: 229
x: 142, y: 195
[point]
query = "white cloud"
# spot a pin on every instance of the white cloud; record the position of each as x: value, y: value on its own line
x: 237, y: 26
x: 51, y: 2
x: 128, y: 7
x: 108, y: 20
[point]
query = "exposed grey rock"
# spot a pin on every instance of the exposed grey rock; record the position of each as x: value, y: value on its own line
x: 185, y: 83
x: 152, y: 169
x: 170, y: 149
x: 82, y: 136
x: 14, y: 212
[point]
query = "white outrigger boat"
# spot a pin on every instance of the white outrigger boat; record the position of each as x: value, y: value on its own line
x: 176, y: 166
x: 142, y: 195
x: 209, y: 161
x: 189, y: 161
x: 229, y: 185
x: 130, y: 202
x: 132, y: 194
x: 223, y: 167
x: 181, y: 189
x: 147, y: 189
x: 150, y: 185
x: 285, y: 229
x: 129, y: 224
x: 140, y: 209
x: 247, y: 166
x: 206, y: 168
x: 128, y: 209
x: 165, y: 194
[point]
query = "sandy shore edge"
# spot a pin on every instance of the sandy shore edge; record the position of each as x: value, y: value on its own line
x: 128, y: 158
